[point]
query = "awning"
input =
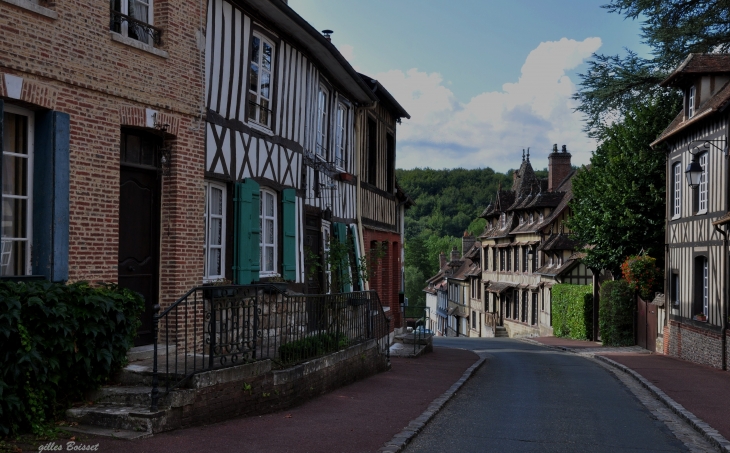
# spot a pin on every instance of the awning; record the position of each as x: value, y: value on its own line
x: 500, y: 287
x: 452, y: 310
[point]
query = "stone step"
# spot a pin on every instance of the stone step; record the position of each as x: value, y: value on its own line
x: 146, y: 352
x: 114, y: 433
x: 137, y: 419
x: 140, y: 396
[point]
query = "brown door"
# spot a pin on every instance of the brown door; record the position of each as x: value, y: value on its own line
x: 139, y: 230
x: 641, y: 323
x: 313, y: 254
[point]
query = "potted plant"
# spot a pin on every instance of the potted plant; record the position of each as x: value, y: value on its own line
x: 214, y: 290
x: 277, y: 282
x: 700, y: 317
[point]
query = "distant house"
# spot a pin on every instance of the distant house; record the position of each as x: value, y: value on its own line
x: 527, y: 248
x: 696, y: 285
x: 436, y: 298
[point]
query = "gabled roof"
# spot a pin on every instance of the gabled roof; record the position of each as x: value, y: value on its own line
x: 560, y: 241
x: 299, y: 31
x: 693, y: 66
x: 697, y: 63
x: 385, y: 96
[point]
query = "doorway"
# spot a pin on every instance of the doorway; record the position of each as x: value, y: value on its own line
x: 139, y: 223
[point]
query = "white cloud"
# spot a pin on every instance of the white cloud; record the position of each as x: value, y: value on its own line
x: 493, y: 127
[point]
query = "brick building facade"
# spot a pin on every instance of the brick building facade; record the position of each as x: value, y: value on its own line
x: 101, y: 83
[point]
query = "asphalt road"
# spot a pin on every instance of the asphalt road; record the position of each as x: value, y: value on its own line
x: 527, y: 398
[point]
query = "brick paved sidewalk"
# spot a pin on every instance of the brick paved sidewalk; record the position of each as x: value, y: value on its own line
x: 703, y: 392
x: 360, y: 417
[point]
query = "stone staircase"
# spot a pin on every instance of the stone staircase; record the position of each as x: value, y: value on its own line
x: 501, y: 332
x: 122, y: 409
x: 411, y: 345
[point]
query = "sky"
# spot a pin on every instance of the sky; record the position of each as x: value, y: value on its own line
x: 481, y: 79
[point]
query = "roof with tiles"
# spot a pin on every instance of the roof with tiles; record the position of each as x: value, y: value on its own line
x: 693, y: 66
x: 559, y: 241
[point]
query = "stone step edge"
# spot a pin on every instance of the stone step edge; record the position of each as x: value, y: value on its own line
x: 101, y: 431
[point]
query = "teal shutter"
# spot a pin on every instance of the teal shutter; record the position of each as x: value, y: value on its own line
x: 247, y: 232
x: 51, y: 174
x: 341, y: 233
x: 289, y: 247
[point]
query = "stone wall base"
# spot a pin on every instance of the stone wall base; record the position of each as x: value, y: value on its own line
x: 693, y: 344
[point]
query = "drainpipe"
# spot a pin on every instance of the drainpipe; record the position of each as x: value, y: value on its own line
x: 723, y: 324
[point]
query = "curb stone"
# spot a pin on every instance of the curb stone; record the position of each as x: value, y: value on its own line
x: 709, y: 433
x: 400, y: 440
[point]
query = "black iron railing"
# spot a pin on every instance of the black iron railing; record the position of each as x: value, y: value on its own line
x: 136, y: 29
x: 214, y: 327
x: 420, y: 317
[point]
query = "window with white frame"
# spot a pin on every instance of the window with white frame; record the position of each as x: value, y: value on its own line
x: 532, y: 219
x: 677, y: 189
x: 702, y: 189
x: 132, y: 19
x: 268, y: 222
x: 215, y: 231
x: 503, y: 218
x: 17, y: 192
x: 260, y: 86
x: 691, y: 102
x: 340, y: 135
x: 322, y: 100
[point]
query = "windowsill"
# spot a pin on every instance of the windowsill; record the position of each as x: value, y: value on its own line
x: 676, y: 217
x: 137, y: 44
x: 703, y: 212
x: 259, y: 127
x: 33, y: 7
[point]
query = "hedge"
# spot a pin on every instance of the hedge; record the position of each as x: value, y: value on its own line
x: 572, y: 310
x: 616, y: 313
x: 57, y: 342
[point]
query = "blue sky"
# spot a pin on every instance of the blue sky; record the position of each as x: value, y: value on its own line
x: 482, y: 79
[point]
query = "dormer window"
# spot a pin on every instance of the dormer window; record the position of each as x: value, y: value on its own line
x: 541, y: 217
x: 504, y: 219
x: 522, y: 220
x: 691, y: 102
x: 532, y: 219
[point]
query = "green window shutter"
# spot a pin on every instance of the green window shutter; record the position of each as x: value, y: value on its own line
x: 289, y: 247
x: 341, y: 233
x: 247, y: 232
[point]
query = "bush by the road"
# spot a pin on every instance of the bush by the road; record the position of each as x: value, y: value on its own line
x: 58, y: 341
x: 572, y: 310
x: 616, y: 313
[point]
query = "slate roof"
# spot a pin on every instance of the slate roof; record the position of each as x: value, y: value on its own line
x: 697, y: 63
x: 555, y: 271
x: 694, y: 65
x: 499, y: 287
x: 559, y: 241
x: 722, y: 220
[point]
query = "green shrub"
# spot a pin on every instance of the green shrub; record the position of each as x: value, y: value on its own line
x: 312, y: 346
x: 616, y: 314
x: 58, y: 341
x: 572, y: 309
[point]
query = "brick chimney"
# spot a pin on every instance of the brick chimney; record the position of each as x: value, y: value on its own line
x: 442, y: 260
x: 467, y: 242
x: 558, y: 167
x: 455, y: 254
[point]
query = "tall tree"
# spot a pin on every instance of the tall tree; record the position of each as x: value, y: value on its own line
x: 618, y: 203
x: 614, y: 84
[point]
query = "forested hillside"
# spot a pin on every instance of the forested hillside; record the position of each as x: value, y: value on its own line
x: 447, y: 204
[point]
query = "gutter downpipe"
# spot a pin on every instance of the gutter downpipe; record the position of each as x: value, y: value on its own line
x: 723, y: 324
x: 358, y: 159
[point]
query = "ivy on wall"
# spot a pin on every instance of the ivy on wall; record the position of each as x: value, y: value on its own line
x: 57, y: 342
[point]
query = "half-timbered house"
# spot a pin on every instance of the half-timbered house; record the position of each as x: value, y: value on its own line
x: 696, y: 143
x: 527, y: 248
x: 381, y: 202
x: 281, y: 146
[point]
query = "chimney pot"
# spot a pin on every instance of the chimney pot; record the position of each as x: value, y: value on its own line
x: 442, y: 260
x: 327, y: 35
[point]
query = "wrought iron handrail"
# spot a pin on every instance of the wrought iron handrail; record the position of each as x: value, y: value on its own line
x: 117, y: 18
x: 213, y: 327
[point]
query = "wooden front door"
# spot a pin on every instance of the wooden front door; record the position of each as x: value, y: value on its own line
x: 139, y: 229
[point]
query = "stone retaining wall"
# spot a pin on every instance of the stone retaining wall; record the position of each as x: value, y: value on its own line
x: 256, y: 389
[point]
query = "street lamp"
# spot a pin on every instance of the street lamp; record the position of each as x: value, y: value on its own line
x: 693, y: 174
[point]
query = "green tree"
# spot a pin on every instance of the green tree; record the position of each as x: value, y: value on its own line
x: 614, y: 84
x: 415, y: 282
x: 618, y: 204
